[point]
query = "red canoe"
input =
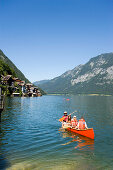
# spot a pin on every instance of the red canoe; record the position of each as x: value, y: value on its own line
x: 85, y: 132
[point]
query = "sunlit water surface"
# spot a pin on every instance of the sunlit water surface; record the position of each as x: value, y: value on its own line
x: 32, y: 138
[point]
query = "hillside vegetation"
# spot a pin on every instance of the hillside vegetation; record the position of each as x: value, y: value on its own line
x: 7, y: 61
x: 6, y: 70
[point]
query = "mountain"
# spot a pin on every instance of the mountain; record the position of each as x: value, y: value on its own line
x: 5, y: 69
x: 96, y: 76
x: 36, y: 83
x: 7, y: 61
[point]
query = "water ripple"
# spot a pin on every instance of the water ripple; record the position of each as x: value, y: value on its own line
x: 31, y: 137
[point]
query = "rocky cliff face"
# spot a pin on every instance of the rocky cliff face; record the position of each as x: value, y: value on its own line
x: 96, y: 76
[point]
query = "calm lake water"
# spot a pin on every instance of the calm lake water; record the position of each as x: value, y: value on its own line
x: 32, y: 138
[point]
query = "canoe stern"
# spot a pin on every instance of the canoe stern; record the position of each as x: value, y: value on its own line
x: 85, y: 132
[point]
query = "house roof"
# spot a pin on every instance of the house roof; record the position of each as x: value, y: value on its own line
x: 6, y: 78
x: 32, y: 88
x: 18, y: 80
x: 15, y: 78
x: 22, y: 81
x: 16, y: 93
x: 29, y: 84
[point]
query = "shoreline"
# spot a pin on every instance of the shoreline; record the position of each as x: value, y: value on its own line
x: 79, y: 94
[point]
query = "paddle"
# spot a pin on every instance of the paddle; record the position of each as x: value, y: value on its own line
x: 62, y: 118
x: 73, y: 112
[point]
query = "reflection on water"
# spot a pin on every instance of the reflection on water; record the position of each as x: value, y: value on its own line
x: 30, y: 137
x: 81, y: 142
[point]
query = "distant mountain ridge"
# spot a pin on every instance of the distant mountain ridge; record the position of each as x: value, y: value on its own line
x: 6, y: 60
x: 96, y: 76
x: 36, y: 83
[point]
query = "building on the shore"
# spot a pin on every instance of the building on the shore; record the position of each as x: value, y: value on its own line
x: 7, y: 80
x: 15, y: 94
x: 18, y: 87
x: 32, y: 91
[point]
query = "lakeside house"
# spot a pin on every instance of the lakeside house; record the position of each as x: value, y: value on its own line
x: 17, y: 87
x: 7, y: 80
x: 32, y: 91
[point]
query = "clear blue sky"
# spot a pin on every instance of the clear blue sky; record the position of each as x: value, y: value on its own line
x: 45, y: 38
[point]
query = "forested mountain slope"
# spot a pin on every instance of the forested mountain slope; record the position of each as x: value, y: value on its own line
x: 96, y: 76
x: 6, y: 60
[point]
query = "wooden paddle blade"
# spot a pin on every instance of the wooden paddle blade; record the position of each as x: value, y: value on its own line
x: 61, y: 119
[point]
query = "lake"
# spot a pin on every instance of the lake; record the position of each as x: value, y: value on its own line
x: 32, y: 138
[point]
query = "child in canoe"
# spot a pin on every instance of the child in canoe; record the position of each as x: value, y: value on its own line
x: 74, y: 122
